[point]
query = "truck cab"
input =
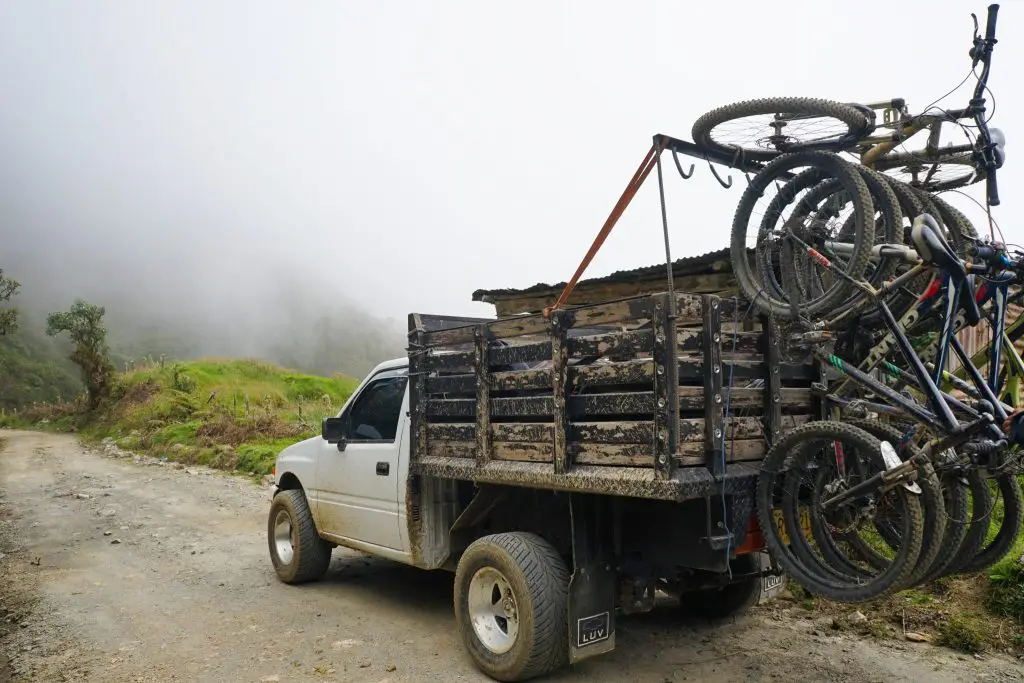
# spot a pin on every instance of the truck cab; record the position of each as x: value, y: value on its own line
x: 353, y: 474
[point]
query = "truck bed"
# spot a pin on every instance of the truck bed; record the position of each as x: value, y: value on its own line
x: 616, y: 398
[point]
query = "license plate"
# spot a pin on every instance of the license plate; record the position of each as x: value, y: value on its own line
x: 771, y: 582
x: 805, y: 524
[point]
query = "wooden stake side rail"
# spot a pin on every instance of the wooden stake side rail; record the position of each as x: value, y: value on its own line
x: 617, y: 386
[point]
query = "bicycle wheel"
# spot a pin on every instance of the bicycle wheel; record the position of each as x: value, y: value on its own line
x: 768, y: 243
x: 1007, y: 517
x: 888, y: 230
x: 930, y: 174
x: 762, y: 129
x: 809, y: 448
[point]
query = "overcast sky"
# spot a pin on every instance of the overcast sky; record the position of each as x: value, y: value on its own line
x: 404, y: 154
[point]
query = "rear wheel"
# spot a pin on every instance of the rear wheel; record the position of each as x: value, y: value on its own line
x: 729, y: 600
x: 760, y: 130
x: 511, y: 599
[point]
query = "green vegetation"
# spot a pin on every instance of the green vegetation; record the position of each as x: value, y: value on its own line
x: 1006, y: 586
x: 963, y: 632
x: 229, y: 414
x: 34, y: 368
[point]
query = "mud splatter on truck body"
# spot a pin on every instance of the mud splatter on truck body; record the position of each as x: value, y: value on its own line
x: 612, y: 398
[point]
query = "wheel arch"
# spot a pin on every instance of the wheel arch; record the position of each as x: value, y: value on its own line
x: 289, y: 481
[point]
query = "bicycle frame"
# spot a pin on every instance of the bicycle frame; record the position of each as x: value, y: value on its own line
x: 876, y: 147
x: 940, y: 416
x: 1002, y: 342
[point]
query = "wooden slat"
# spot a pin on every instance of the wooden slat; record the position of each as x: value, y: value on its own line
x: 743, y: 368
x: 451, y: 449
x: 417, y: 388
x: 450, y: 360
x: 640, y: 431
x: 624, y: 373
x: 529, y: 352
x: 689, y: 341
x: 691, y: 430
x: 441, y: 408
x: 773, y: 385
x: 559, y: 391
x: 591, y: 293
x: 619, y: 403
x: 692, y: 398
x: 623, y: 403
x: 483, y: 398
x: 740, y: 450
x: 442, y: 431
x: 631, y: 343
x: 522, y: 406
x: 630, y: 455
x: 523, y: 431
x: 634, y: 372
x: 621, y: 311
x: 523, y: 451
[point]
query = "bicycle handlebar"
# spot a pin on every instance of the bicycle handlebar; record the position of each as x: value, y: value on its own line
x: 985, y: 154
x: 990, y: 23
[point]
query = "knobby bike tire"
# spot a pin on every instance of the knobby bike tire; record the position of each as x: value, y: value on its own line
x: 1009, y: 530
x: 977, y: 528
x: 851, y: 180
x: 959, y: 229
x: 831, y: 586
x: 702, y: 131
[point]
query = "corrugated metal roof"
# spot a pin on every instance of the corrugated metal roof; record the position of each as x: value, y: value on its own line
x: 688, y: 265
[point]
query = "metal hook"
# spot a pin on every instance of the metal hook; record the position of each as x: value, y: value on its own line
x: 723, y: 183
x: 686, y: 176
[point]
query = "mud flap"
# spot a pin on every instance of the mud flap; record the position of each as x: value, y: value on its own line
x: 592, y: 586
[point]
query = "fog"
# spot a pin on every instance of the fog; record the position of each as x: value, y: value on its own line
x: 236, y: 171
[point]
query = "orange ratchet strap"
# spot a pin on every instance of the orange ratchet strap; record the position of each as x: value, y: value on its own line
x: 627, y: 196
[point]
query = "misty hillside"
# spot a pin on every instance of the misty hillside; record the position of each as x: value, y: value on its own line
x: 308, y: 331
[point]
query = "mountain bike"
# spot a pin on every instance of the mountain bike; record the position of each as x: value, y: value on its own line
x: 800, y: 124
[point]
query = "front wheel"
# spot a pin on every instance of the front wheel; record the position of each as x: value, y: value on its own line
x: 511, y: 599
x: 296, y: 549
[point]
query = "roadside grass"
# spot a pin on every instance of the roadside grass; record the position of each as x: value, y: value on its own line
x: 228, y: 414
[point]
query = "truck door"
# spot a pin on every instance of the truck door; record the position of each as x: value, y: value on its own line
x: 358, y: 486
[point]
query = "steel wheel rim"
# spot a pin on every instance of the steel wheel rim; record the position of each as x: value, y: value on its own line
x: 493, y: 610
x: 283, y: 537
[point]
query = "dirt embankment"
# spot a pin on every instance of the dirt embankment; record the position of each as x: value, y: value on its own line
x: 120, y: 571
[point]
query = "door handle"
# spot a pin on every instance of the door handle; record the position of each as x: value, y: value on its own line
x: 383, y: 468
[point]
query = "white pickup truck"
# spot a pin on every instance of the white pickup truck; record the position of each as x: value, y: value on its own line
x: 559, y: 492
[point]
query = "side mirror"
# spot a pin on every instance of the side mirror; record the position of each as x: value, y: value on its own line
x: 332, y: 429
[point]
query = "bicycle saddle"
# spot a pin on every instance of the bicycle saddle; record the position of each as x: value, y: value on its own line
x: 932, y: 247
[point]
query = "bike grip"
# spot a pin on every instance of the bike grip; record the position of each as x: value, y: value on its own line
x: 990, y: 24
x: 993, y: 190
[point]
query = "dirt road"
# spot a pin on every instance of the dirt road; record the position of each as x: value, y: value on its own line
x: 117, y: 570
